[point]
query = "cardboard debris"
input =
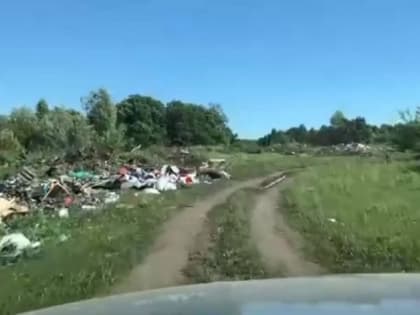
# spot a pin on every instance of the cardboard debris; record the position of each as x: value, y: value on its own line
x: 214, y: 173
x: 10, y: 207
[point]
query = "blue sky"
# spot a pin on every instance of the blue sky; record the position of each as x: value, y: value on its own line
x: 269, y: 63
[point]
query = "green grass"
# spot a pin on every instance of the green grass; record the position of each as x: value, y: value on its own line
x: 101, y: 250
x: 256, y: 165
x: 230, y: 254
x: 376, y: 208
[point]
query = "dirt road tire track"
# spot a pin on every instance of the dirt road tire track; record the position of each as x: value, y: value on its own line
x: 163, y: 266
x: 280, y: 247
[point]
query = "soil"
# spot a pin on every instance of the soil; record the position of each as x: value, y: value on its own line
x: 280, y: 247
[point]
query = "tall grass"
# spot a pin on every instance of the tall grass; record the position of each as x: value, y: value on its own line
x: 359, y: 215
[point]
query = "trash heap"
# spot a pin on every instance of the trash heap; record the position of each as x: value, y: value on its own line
x: 60, y: 189
x: 353, y: 148
x: 346, y: 149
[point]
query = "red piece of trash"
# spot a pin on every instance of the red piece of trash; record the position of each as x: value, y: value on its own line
x: 188, y: 180
x: 123, y: 171
x: 68, y: 201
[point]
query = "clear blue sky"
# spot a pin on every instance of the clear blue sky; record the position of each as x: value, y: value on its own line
x: 269, y: 63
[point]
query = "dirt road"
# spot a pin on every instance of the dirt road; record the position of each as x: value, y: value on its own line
x: 163, y: 266
x: 275, y: 242
x: 279, y: 245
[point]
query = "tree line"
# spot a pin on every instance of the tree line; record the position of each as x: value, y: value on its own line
x: 105, y: 126
x: 404, y: 135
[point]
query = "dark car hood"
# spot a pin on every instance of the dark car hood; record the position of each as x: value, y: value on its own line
x: 380, y: 294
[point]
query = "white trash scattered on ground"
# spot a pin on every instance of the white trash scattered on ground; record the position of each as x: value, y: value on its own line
x: 151, y: 191
x: 63, y: 213
x: 59, y: 189
x: 14, y: 244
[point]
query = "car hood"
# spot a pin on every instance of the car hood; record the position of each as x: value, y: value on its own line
x: 348, y: 294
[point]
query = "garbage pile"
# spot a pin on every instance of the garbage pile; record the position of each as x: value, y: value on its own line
x: 353, y: 148
x: 346, y: 149
x: 61, y: 188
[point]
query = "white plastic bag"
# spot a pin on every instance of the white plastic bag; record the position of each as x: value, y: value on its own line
x: 165, y: 183
x: 151, y: 191
x: 15, y: 244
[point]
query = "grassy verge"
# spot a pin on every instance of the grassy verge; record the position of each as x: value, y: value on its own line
x: 254, y: 165
x: 101, y: 249
x: 228, y: 253
x: 358, y: 215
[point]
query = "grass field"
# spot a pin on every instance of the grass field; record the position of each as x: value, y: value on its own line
x: 358, y: 215
x: 256, y: 165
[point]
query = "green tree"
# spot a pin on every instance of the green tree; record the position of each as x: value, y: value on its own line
x: 42, y: 108
x: 8, y: 141
x: 383, y: 134
x: 80, y: 135
x: 63, y: 130
x: 406, y: 135
x: 298, y: 134
x: 191, y: 124
x: 180, y: 124
x: 24, y: 125
x: 218, y: 125
x: 144, y: 119
x: 100, y: 110
x: 112, y: 141
x: 338, y: 119
x: 102, y: 115
x: 360, y: 131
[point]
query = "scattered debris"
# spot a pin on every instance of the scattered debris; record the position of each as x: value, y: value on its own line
x: 111, y: 197
x: 89, y: 207
x: 89, y: 190
x: 63, y: 213
x: 214, y: 173
x: 63, y: 238
x: 151, y: 191
x: 136, y: 148
x: 61, y: 188
x: 13, y: 245
x: 275, y: 182
x: 166, y: 183
x: 346, y: 149
x: 26, y: 175
x: 8, y: 207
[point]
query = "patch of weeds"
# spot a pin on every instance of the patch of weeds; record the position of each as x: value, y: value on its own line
x: 229, y: 254
x: 243, y: 166
x: 358, y: 215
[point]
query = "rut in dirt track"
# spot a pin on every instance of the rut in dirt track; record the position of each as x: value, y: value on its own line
x: 163, y: 266
x: 278, y: 245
